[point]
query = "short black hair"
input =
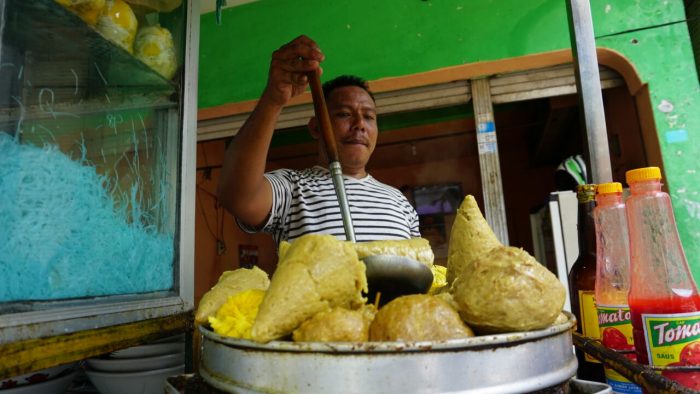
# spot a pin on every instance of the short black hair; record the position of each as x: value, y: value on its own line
x: 343, y: 81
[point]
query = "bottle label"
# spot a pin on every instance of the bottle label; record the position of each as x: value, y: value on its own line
x: 672, y: 339
x: 619, y: 384
x: 615, y: 323
x: 615, y: 327
x: 589, y: 318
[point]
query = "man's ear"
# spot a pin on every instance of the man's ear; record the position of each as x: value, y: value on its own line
x: 313, y: 128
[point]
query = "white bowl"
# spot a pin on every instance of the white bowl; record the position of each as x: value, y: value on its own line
x: 57, y: 385
x: 173, y: 338
x: 136, y: 364
x: 132, y: 382
x: 156, y: 349
x: 35, y: 377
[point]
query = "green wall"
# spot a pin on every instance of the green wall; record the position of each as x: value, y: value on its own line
x: 370, y: 38
x: 377, y: 39
x: 395, y: 37
x: 664, y: 58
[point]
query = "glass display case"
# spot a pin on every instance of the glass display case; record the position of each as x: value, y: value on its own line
x: 97, y: 146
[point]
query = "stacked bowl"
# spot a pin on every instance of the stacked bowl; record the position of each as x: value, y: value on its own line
x: 138, y: 369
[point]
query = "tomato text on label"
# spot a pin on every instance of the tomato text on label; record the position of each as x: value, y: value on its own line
x: 613, y: 316
x: 674, y: 332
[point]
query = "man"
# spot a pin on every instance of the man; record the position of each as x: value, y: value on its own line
x: 288, y: 203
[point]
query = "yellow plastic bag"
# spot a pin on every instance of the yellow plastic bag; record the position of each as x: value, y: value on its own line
x: 87, y: 10
x: 154, y: 46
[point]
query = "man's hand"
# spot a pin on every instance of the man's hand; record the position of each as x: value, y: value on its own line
x: 288, y: 69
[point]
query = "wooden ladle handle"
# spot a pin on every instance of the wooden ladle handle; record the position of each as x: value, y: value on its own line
x: 322, y: 117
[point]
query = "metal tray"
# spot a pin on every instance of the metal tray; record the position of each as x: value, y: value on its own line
x: 193, y: 384
x: 505, y: 363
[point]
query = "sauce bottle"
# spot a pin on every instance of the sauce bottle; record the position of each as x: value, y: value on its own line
x: 582, y: 284
x: 613, y: 280
x: 663, y: 297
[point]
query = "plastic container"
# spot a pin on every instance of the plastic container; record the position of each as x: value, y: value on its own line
x: 577, y: 386
x: 613, y: 280
x: 663, y: 298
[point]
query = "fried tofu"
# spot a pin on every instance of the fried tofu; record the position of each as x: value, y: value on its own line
x: 315, y: 273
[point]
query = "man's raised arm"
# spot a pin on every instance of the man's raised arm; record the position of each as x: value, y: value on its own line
x: 243, y: 190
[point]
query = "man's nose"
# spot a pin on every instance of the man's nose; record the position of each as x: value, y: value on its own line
x: 359, y: 123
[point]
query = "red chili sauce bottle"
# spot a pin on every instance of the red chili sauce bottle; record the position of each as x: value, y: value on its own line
x: 663, y: 297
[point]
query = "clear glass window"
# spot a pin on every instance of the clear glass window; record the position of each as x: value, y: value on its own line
x: 90, y: 137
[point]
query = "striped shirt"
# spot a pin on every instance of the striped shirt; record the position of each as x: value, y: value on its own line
x: 305, y: 202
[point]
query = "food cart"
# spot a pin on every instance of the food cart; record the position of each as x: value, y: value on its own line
x: 100, y: 85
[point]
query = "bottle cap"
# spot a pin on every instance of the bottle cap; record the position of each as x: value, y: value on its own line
x: 585, y: 193
x: 609, y: 188
x: 643, y: 174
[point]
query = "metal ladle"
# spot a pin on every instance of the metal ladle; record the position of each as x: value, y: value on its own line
x: 391, y: 275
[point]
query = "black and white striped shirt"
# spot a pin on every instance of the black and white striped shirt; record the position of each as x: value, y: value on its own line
x: 304, y: 202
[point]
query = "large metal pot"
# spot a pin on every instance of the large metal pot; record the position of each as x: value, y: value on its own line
x: 505, y: 363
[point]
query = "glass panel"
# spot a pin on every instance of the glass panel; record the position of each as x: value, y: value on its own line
x: 89, y: 149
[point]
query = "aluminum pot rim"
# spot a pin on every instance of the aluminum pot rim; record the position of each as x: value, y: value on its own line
x: 473, y: 343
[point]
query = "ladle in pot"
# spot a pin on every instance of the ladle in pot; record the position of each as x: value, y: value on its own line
x: 391, y: 275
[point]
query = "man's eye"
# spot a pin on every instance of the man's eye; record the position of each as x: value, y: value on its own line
x: 343, y: 114
x: 369, y: 117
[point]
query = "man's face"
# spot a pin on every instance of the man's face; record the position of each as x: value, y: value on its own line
x: 354, y: 118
